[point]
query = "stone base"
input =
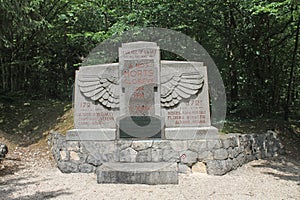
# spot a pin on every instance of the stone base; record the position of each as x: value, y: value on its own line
x: 138, y: 173
x: 216, y: 156
x: 191, y: 133
x: 91, y: 134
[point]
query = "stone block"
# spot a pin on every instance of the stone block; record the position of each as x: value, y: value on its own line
x: 58, y: 140
x: 234, y: 139
x: 123, y: 144
x: 235, y: 163
x: 144, y: 156
x: 239, y: 140
x: 248, y: 150
x: 93, y: 160
x: 73, y: 146
x: 226, y: 143
x: 235, y: 152
x: 106, y: 151
x: 197, y: 146
x: 141, y: 145
x: 161, y: 144
x: 86, y: 168
x: 110, y: 157
x: 179, y: 145
x: 230, y: 151
x: 199, y: 167
x: 213, y: 144
x: 104, y: 146
x: 184, y: 169
x: 217, y: 167
x: 241, y: 159
x: 249, y: 158
x: 128, y: 155
x: 205, y: 156
x: 258, y: 154
x: 169, y: 155
x: 138, y: 173
x: 188, y: 157
x: 241, y: 149
x: 229, y: 142
x: 220, y: 154
x: 68, y: 167
x: 229, y: 165
x: 156, y: 155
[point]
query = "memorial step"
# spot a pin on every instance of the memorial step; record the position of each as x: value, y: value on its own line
x: 138, y: 173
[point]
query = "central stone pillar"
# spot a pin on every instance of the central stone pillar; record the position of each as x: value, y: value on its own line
x: 140, y: 109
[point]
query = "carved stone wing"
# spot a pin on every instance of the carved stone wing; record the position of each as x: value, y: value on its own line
x: 180, y: 86
x: 102, y: 88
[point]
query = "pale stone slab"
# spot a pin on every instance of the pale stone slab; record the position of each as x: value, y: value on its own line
x: 91, y: 134
x: 193, y: 107
x: 139, y: 77
x: 199, y: 167
x: 63, y: 155
x: 89, y: 110
x: 139, y: 73
x: 74, y: 156
x: 191, y: 133
x: 138, y: 173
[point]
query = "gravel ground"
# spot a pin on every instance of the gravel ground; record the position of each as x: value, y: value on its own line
x: 36, y: 177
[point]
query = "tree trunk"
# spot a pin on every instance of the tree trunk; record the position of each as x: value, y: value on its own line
x: 3, y: 74
x: 231, y: 25
x: 291, y: 77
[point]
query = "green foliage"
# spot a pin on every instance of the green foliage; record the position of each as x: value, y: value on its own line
x: 42, y: 42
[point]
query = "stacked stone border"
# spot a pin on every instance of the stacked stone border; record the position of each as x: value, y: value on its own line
x: 215, y: 157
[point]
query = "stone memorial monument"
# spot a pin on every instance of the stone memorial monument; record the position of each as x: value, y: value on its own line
x: 141, y: 97
x: 143, y: 120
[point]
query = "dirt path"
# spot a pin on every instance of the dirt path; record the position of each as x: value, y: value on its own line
x: 36, y: 177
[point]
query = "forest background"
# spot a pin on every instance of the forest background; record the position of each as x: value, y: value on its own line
x: 255, y: 45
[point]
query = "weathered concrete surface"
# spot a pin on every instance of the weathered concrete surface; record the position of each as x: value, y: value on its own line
x: 138, y: 173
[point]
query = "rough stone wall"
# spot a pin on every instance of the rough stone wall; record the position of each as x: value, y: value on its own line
x: 216, y: 157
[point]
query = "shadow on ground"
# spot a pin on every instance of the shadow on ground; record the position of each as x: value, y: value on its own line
x: 282, y: 168
x: 11, y: 169
x: 14, y: 186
